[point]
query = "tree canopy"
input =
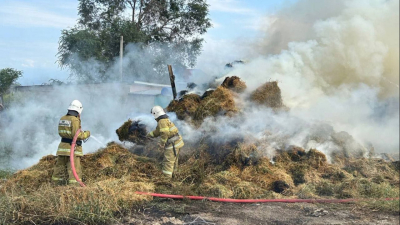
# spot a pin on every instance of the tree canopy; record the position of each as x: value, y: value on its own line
x: 168, y: 30
x: 8, y: 77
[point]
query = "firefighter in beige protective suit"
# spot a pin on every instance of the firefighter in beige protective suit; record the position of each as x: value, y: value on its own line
x: 67, y: 127
x: 170, y: 140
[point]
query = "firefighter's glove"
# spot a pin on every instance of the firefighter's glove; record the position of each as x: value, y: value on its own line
x: 87, y: 134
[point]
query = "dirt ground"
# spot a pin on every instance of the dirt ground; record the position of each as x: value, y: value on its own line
x: 166, y: 211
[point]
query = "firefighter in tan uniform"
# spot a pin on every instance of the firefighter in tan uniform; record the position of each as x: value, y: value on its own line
x: 67, y: 127
x: 170, y: 140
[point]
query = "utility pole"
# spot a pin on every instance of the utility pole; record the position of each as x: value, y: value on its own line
x: 121, y: 53
x: 172, y: 79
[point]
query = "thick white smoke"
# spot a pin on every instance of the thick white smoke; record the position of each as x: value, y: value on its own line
x: 29, y: 127
x: 336, y: 63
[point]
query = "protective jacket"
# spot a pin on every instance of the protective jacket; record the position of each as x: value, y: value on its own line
x: 67, y: 127
x: 167, y: 131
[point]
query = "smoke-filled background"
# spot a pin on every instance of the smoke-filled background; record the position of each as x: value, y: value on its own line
x: 336, y: 63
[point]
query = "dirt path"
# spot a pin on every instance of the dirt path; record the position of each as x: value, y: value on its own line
x: 197, y: 212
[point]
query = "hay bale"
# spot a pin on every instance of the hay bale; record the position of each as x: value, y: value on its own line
x: 220, y: 102
x: 234, y: 83
x: 185, y: 107
x: 269, y: 94
x: 132, y: 131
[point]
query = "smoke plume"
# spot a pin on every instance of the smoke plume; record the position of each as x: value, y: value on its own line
x: 336, y: 63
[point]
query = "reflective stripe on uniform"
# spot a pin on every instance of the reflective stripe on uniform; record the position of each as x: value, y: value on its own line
x: 176, y: 145
x: 164, y: 129
x: 64, y: 123
x: 173, y: 128
x: 164, y: 140
x: 76, y: 153
x: 63, y: 150
x: 167, y: 172
x: 72, y: 181
x: 56, y: 178
x: 64, y: 132
x: 151, y: 134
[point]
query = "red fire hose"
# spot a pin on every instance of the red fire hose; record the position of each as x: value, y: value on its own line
x: 71, y: 158
x: 258, y: 200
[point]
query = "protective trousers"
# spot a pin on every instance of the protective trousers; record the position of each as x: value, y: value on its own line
x: 63, y: 166
x: 170, y: 162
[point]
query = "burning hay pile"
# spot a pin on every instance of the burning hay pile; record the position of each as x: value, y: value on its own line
x: 113, y: 174
x: 219, y: 102
x: 132, y: 131
x: 186, y: 107
x: 228, y: 169
x: 234, y: 83
x: 268, y: 94
x: 212, y: 103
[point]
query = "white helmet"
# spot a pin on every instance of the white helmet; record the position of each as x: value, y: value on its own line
x: 76, y: 106
x: 157, y: 111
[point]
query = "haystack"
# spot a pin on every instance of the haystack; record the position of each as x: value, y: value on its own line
x: 234, y: 83
x: 242, y: 156
x: 269, y: 94
x: 132, y: 131
x: 207, y: 93
x: 298, y: 163
x: 219, y: 102
x: 234, y: 169
x: 114, y: 162
x: 185, y: 107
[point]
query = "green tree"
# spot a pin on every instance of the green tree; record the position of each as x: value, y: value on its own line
x: 170, y: 28
x: 8, y: 77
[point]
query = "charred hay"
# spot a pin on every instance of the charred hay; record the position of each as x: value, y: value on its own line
x: 234, y: 83
x: 132, y: 131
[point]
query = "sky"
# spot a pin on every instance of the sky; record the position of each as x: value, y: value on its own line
x: 30, y: 31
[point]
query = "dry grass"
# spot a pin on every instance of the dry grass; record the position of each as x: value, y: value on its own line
x: 113, y: 174
x: 218, y: 103
x: 102, y: 202
x: 234, y: 169
x: 268, y: 94
x: 185, y: 107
